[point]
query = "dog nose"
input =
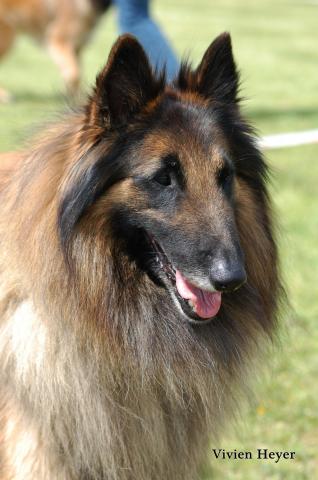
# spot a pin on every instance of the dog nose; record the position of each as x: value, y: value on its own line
x: 226, y: 277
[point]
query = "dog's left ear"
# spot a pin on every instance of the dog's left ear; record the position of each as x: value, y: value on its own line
x: 216, y: 76
x: 124, y: 86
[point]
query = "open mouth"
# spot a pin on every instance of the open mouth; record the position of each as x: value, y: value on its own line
x: 198, y: 305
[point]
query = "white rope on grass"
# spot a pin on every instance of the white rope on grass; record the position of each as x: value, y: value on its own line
x: 291, y: 139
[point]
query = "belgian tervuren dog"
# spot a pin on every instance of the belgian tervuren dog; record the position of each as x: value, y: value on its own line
x: 138, y: 276
x: 63, y: 26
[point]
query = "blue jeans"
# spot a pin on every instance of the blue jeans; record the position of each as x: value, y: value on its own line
x: 134, y: 18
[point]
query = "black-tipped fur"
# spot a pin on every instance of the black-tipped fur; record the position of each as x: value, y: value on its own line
x: 106, y: 367
x: 216, y: 78
x: 127, y: 83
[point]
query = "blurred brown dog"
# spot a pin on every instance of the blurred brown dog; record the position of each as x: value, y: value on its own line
x: 63, y: 26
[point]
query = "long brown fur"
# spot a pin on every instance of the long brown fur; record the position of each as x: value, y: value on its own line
x: 99, y: 377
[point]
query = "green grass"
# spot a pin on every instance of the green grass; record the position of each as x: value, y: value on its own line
x: 275, y: 43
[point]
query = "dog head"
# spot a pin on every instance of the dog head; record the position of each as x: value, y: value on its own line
x: 162, y: 173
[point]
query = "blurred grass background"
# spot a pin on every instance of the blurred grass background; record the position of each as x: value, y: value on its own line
x: 276, y: 47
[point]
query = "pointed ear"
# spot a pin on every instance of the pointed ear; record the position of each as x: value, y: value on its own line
x: 217, y: 76
x: 125, y: 85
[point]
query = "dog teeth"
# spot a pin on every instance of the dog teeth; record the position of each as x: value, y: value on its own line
x: 191, y: 304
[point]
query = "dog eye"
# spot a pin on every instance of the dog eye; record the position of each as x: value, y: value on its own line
x: 163, y: 178
x: 225, y: 176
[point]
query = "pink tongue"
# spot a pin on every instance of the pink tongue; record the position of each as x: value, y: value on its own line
x: 206, y: 304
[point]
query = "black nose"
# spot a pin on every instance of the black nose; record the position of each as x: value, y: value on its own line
x: 226, y: 277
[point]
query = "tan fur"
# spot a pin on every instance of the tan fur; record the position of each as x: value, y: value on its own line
x: 63, y: 26
x: 97, y: 382
x: 125, y: 419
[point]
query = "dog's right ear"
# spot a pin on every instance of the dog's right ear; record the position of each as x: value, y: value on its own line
x: 124, y: 86
x: 217, y: 76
